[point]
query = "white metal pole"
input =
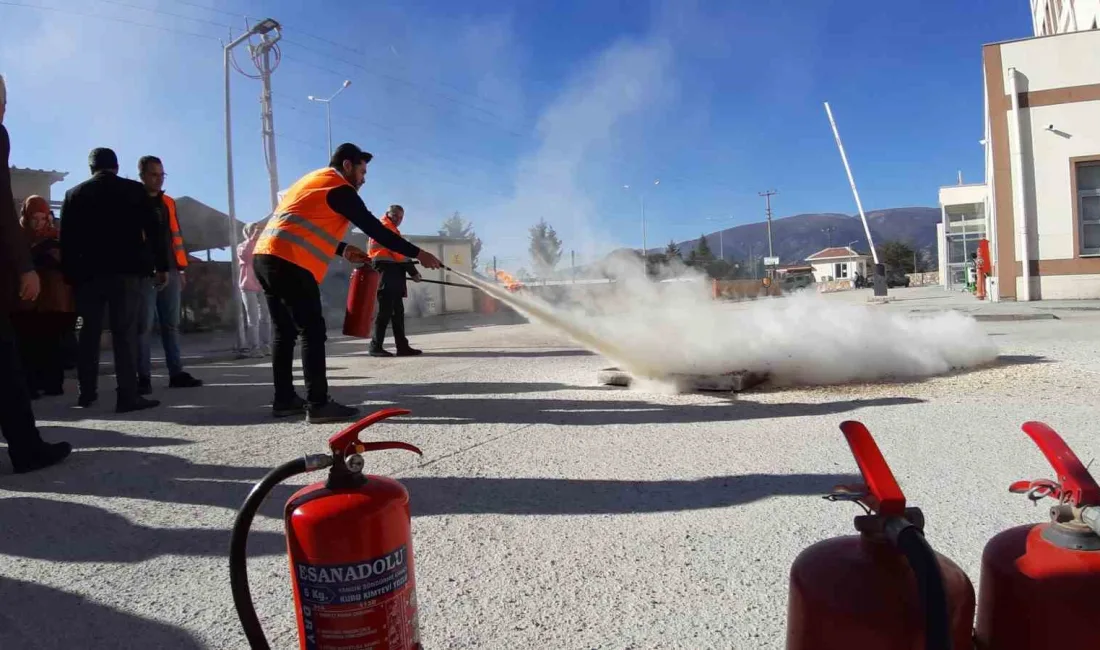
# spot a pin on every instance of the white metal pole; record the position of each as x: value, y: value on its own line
x: 1018, y: 201
x: 328, y: 126
x: 852, y: 182
x: 269, y: 123
x: 234, y: 295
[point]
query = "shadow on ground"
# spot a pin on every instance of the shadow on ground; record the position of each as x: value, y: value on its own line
x: 33, y: 616
x: 456, y: 495
x: 63, y: 531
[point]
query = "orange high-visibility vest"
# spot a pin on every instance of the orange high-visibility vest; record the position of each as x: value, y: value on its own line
x: 177, y: 235
x: 304, y: 230
x: 377, y: 251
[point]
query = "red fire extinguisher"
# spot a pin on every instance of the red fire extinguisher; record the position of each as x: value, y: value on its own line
x: 362, y: 299
x: 1040, y: 584
x: 884, y: 588
x: 350, y: 547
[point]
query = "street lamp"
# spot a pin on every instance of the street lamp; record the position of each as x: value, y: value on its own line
x: 644, y: 247
x: 721, y: 232
x: 259, y: 29
x: 328, y: 113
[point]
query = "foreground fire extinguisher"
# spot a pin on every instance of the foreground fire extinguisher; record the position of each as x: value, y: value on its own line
x: 362, y: 300
x: 885, y: 588
x: 350, y: 546
x: 1040, y: 584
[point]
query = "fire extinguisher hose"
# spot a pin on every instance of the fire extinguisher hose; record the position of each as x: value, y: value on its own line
x: 238, y: 543
x: 933, y: 595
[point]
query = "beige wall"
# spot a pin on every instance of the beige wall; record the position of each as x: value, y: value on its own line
x: 1055, y: 62
x: 1059, y: 85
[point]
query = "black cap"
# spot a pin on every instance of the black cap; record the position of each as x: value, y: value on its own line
x: 348, y: 151
x: 102, y: 158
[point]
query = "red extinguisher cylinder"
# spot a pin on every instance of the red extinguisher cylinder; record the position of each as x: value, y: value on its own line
x: 1040, y: 584
x: 351, y: 559
x: 349, y: 542
x: 884, y: 588
x: 361, y: 302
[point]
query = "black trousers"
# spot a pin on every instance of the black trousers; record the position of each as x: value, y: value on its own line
x: 391, y: 309
x: 17, y: 423
x: 294, y: 300
x: 41, y: 340
x: 120, y: 297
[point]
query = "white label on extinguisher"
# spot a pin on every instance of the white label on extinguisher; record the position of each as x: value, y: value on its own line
x: 368, y: 605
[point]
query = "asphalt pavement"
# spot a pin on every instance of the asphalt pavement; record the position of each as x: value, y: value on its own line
x: 549, y: 511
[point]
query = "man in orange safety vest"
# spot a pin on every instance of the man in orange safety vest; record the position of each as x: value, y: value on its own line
x: 391, y: 289
x: 290, y: 260
x: 163, y: 303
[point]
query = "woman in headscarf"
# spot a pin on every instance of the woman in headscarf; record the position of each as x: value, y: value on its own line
x: 42, y: 324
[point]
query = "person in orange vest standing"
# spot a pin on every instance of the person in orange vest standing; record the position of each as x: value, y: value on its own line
x: 392, y: 289
x: 290, y: 260
x: 163, y: 303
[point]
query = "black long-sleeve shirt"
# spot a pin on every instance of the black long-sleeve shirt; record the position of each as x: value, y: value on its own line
x: 109, y: 226
x: 346, y: 201
x: 15, y: 255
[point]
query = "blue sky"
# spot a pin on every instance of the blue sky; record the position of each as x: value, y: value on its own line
x: 508, y: 112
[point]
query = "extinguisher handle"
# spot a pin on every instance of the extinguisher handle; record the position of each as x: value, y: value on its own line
x: 882, y: 492
x: 1074, y: 483
x: 340, y: 442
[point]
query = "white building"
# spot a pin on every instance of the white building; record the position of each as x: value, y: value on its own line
x: 1041, y: 197
x: 1050, y: 17
x: 838, y: 263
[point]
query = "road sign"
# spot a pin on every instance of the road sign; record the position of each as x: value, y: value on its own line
x: 771, y: 261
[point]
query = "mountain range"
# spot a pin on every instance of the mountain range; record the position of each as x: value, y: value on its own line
x: 796, y: 237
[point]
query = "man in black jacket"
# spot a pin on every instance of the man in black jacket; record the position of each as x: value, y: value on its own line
x: 17, y: 281
x: 111, y: 245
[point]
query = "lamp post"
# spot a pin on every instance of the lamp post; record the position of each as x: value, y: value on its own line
x: 260, y: 28
x: 645, y: 258
x: 328, y: 113
x: 721, y: 232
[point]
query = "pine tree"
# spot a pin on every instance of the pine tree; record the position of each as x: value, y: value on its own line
x: 672, y: 251
x: 545, y: 247
x: 456, y: 226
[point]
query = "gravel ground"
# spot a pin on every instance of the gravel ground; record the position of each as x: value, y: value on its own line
x: 549, y: 511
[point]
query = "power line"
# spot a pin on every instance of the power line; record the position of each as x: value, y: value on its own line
x: 165, y: 13
x: 394, y: 79
x: 73, y: 12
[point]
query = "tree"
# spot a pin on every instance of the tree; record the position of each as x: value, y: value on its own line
x: 897, y: 255
x: 456, y: 226
x: 545, y: 247
x: 672, y: 251
x: 702, y: 253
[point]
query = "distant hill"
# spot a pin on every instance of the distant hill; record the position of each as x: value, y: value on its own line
x: 797, y: 237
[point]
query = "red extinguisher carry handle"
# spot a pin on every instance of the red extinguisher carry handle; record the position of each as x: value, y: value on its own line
x: 880, y: 492
x: 1074, y: 484
x: 340, y: 442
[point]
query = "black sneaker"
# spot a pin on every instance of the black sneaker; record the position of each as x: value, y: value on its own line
x: 137, y: 404
x: 380, y: 353
x: 86, y: 400
x: 48, y: 454
x: 296, y: 406
x: 184, y: 380
x: 409, y: 352
x: 145, y: 386
x: 330, y: 411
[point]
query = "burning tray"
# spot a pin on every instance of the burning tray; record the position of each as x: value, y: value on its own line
x: 736, y: 381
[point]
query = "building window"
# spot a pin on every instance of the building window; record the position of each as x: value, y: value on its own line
x: 1088, y: 207
x: 840, y: 270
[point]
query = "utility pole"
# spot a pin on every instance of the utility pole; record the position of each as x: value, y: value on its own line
x: 263, y: 29
x: 768, y: 211
x: 261, y: 55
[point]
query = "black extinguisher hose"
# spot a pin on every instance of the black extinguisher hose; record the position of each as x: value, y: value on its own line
x: 933, y: 594
x: 238, y: 543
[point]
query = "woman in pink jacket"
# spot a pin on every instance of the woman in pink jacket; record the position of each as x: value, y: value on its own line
x: 258, y: 329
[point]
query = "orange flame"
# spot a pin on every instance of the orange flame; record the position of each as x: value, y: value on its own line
x: 510, y: 283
